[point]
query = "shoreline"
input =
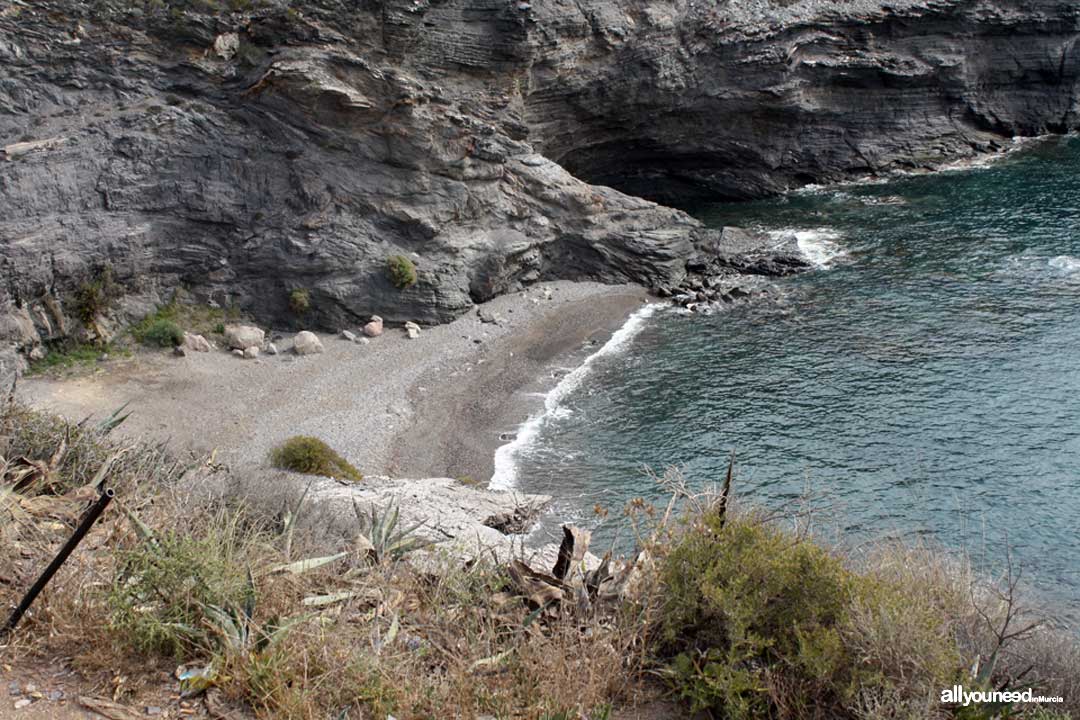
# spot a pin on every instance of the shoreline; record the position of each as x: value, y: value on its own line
x: 436, y: 406
x: 460, y: 425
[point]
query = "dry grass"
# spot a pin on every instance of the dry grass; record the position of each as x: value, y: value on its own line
x: 183, y: 570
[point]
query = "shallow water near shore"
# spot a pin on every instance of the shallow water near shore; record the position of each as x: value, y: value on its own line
x: 924, y: 381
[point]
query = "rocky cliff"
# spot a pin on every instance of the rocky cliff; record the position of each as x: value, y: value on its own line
x: 241, y: 150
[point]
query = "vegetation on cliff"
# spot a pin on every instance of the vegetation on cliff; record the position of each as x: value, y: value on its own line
x: 402, y: 271
x: 740, y: 614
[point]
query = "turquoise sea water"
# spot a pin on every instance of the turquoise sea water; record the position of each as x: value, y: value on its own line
x: 925, y: 381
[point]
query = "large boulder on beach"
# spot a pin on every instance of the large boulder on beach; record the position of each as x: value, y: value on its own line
x: 374, y: 328
x: 241, y: 337
x: 307, y: 343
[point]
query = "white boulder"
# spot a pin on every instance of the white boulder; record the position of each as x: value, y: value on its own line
x: 196, y: 343
x: 241, y: 337
x: 307, y: 343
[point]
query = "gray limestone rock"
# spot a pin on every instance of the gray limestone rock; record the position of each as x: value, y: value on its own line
x: 233, y: 153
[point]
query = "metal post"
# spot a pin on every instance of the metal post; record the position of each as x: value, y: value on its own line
x: 88, y: 520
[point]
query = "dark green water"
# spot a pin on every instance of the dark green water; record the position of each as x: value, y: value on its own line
x: 925, y: 383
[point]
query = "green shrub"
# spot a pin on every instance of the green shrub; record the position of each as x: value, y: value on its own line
x: 161, y: 333
x: 402, y: 271
x: 757, y: 622
x: 67, y: 357
x: 162, y: 587
x: 299, y: 301
x: 752, y: 613
x: 93, y: 298
x: 309, y: 455
x: 193, y: 317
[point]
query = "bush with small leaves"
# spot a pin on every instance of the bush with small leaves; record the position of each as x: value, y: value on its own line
x: 402, y: 271
x: 94, y: 297
x: 299, y: 301
x: 311, y: 456
x: 162, y: 333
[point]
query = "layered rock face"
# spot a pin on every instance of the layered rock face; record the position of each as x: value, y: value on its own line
x: 244, y: 155
x: 681, y: 101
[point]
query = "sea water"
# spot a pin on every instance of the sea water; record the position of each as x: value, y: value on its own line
x: 922, y: 381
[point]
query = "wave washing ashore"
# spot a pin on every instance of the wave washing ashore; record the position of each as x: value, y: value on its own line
x: 925, y: 385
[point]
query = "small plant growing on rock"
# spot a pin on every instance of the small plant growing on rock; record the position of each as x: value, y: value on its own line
x: 93, y: 298
x: 311, y: 456
x: 299, y: 301
x: 162, y: 333
x: 402, y: 271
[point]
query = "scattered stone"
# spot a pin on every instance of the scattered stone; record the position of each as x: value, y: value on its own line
x: 13, y: 689
x: 488, y: 317
x: 515, y: 522
x: 37, y: 353
x: 251, y: 353
x: 153, y: 710
x: 226, y: 45
x: 55, y: 695
x: 21, y: 703
x: 412, y: 330
x: 198, y: 343
x: 374, y: 328
x: 241, y: 337
x: 238, y: 352
x: 363, y: 341
x: 346, y: 335
x: 179, y: 351
x: 307, y: 343
x: 103, y: 357
x: 271, y: 349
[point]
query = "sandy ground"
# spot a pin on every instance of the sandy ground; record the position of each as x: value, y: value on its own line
x: 433, y: 406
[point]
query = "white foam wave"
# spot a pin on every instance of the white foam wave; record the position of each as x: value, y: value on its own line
x: 1065, y: 263
x: 505, y: 474
x: 819, y: 246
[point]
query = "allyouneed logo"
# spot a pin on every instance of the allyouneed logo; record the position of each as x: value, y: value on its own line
x: 958, y: 695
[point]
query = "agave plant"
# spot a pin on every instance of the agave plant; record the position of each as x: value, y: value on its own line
x: 981, y: 679
x: 114, y: 420
x: 382, y: 538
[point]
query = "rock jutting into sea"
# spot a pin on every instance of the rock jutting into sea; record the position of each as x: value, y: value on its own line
x: 491, y: 144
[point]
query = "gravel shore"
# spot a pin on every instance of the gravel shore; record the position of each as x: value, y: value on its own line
x: 433, y: 406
